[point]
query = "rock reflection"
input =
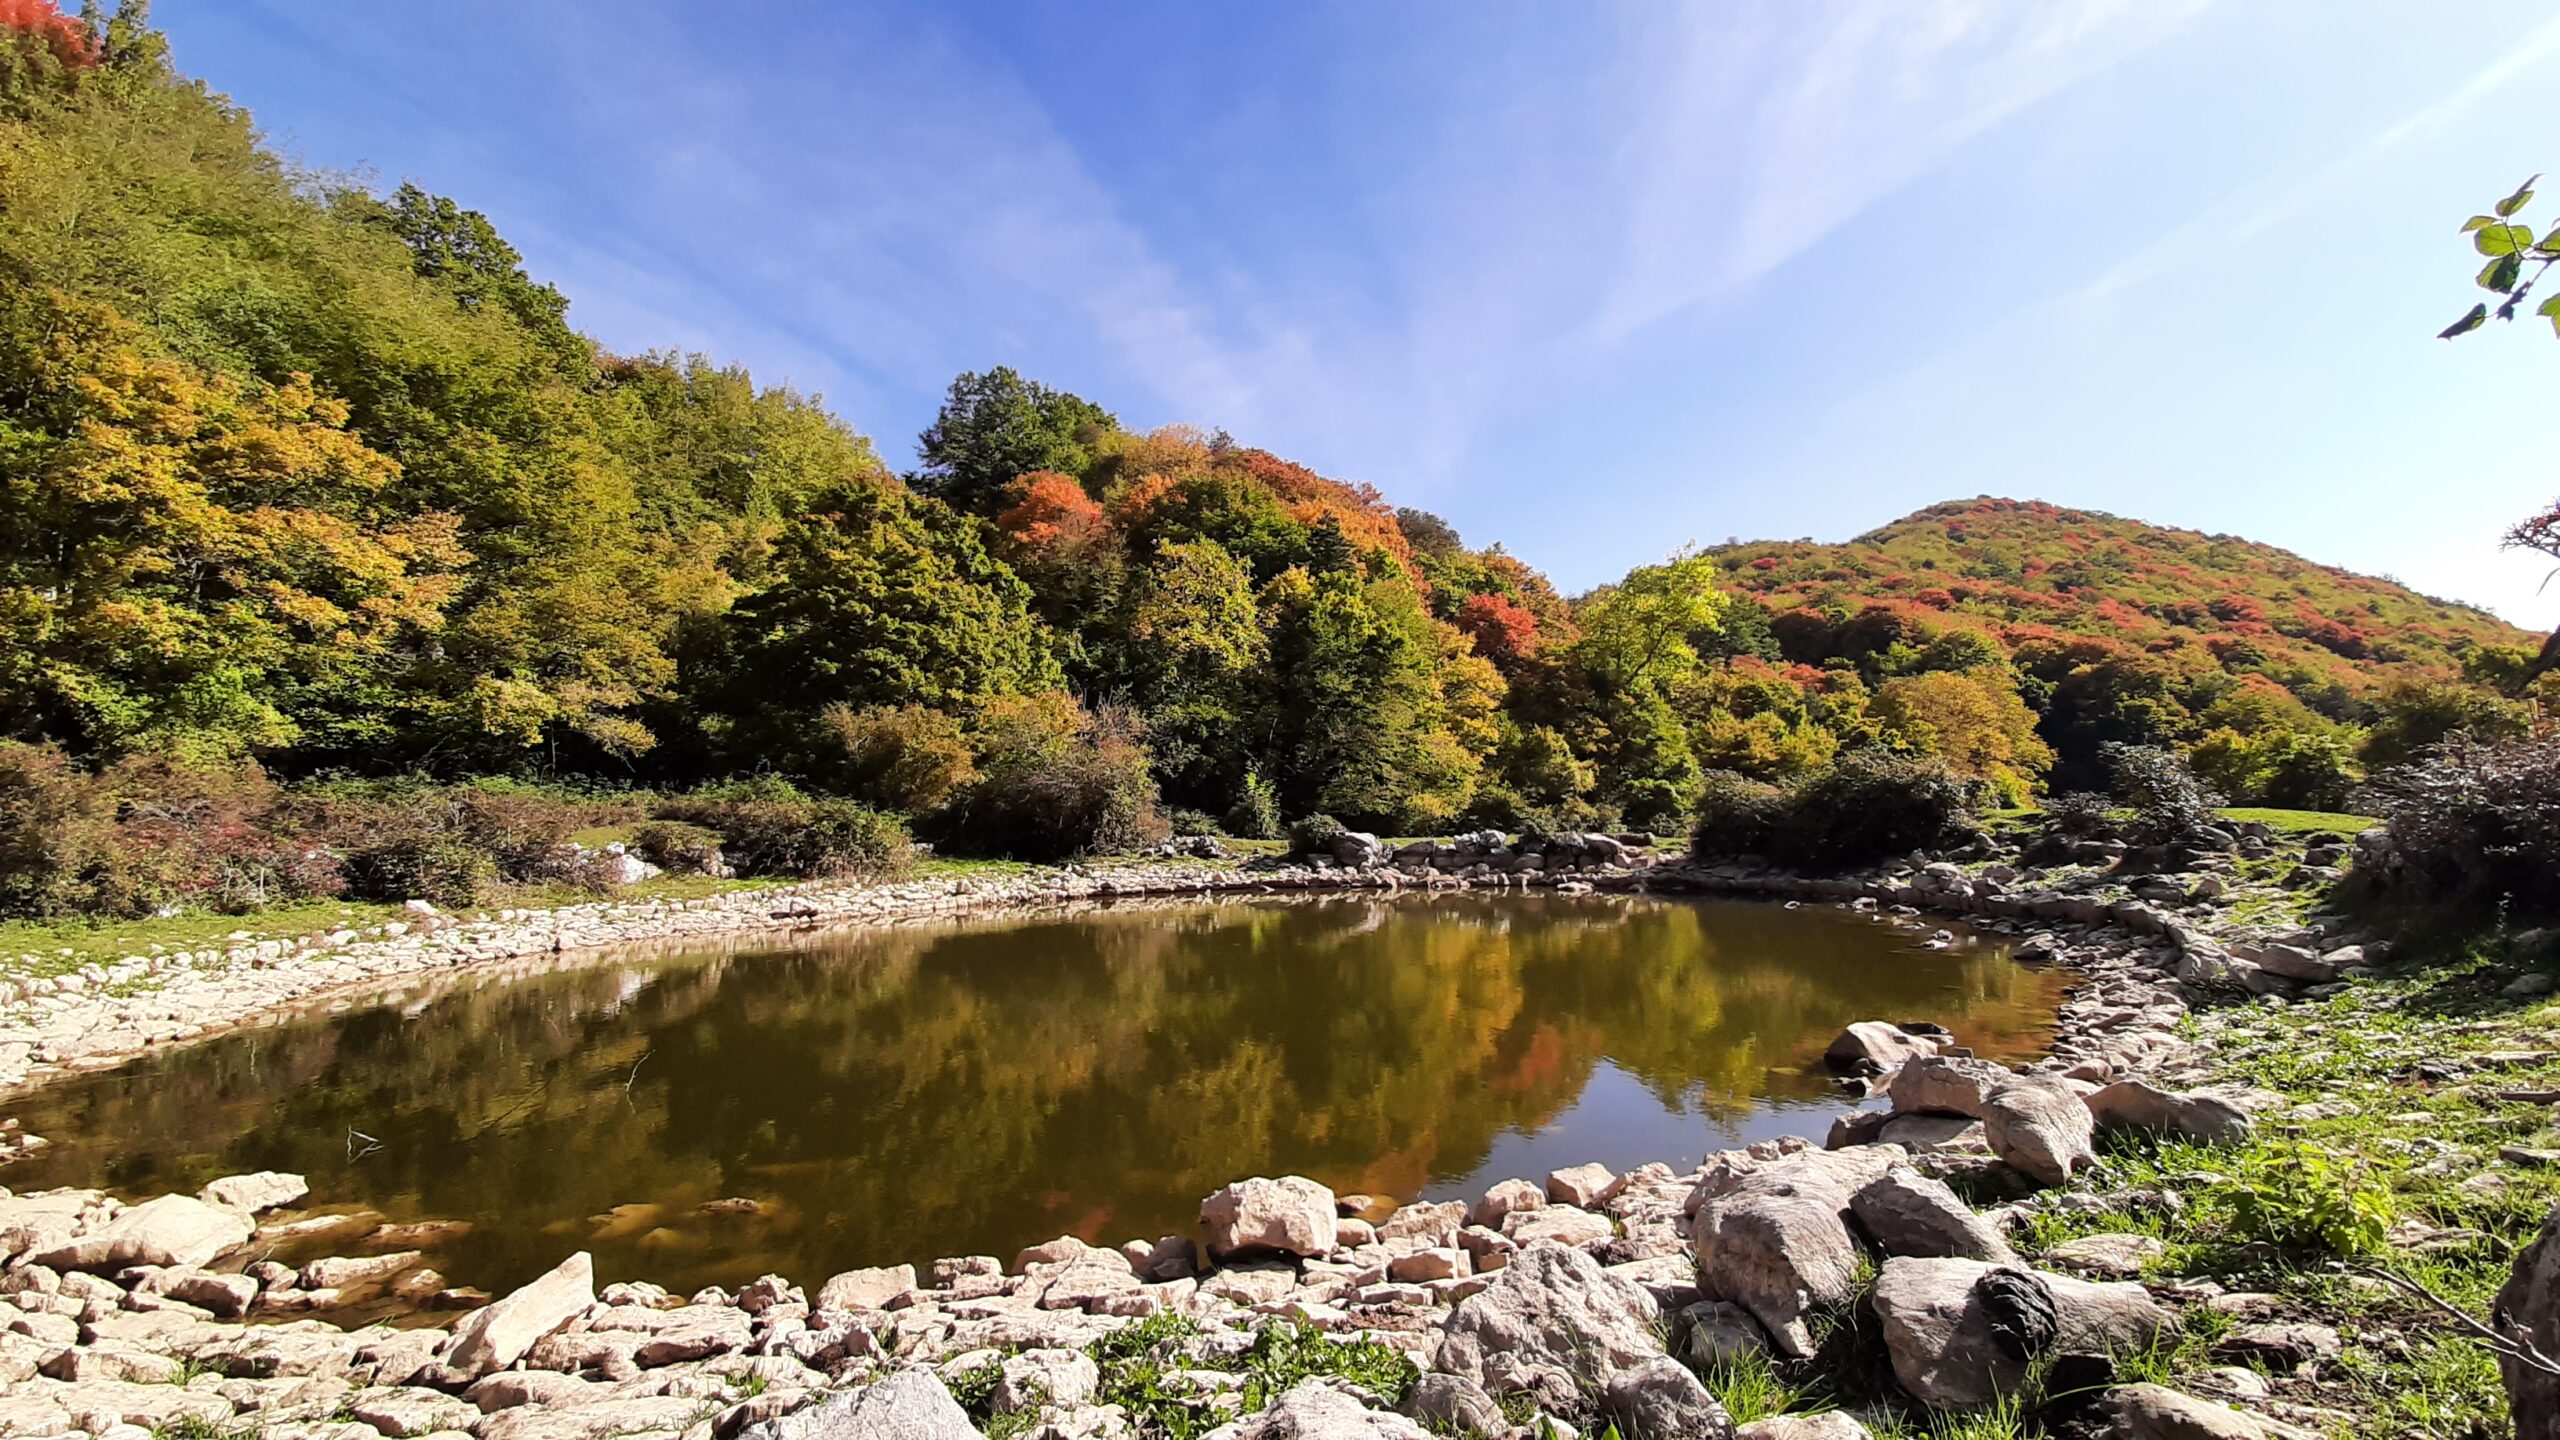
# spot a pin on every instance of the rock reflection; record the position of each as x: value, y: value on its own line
x: 906, y: 1092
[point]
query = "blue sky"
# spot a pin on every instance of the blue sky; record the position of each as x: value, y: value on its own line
x: 1594, y: 280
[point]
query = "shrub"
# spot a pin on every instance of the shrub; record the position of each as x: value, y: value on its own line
x: 1499, y: 807
x: 2169, y: 805
x: 1191, y: 822
x: 679, y: 847
x: 2078, y: 814
x: 2289, y: 769
x: 1256, y: 815
x: 2301, y: 1198
x: 56, y: 828
x: 1737, y: 816
x: 1653, y: 804
x: 768, y: 826
x: 2470, y: 822
x: 214, y: 835
x: 1054, y: 781
x: 1869, y: 805
x: 908, y: 757
x: 1315, y: 834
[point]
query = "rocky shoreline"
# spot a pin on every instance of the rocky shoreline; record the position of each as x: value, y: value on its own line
x: 1564, y: 1299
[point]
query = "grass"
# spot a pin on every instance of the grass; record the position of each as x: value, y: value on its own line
x: 1137, y: 1367
x: 2302, y: 822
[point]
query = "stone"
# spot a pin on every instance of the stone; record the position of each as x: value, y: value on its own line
x: 1506, y: 1198
x: 2281, y: 1345
x: 661, y: 1415
x: 869, y: 1289
x: 227, y: 1296
x: 2039, y: 1126
x: 1661, y: 1400
x: 696, y: 1332
x: 1455, y: 1405
x: 1872, y: 1047
x: 1584, y: 1186
x: 1912, y: 1215
x: 1955, y: 1340
x: 1316, y: 1410
x: 2109, y: 1257
x: 357, y: 1272
x: 1554, y: 1322
x: 172, y: 1230
x: 2156, y: 1412
x: 1829, y: 1425
x: 1035, y: 1378
x: 1777, y: 1240
x: 33, y: 1415
x: 257, y: 1192
x: 1945, y: 1085
x: 510, y: 1388
x: 401, y: 1412
x: 2530, y: 1302
x: 1436, y: 1263
x: 1935, y: 1134
x: 1292, y: 1215
x: 153, y: 1407
x: 1561, y: 1223
x: 2205, y: 1119
x: 909, y: 1405
x: 1717, y: 1332
x: 1432, y: 1224
x: 498, y: 1335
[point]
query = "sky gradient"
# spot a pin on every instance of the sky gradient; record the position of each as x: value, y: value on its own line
x: 1591, y: 280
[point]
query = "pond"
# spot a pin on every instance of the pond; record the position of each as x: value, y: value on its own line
x: 965, y: 1086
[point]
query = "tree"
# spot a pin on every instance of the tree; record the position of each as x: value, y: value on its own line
x: 995, y: 426
x: 1192, y: 649
x: 1974, y: 719
x: 1359, y: 726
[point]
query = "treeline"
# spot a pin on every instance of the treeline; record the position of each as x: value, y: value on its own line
x: 305, y: 481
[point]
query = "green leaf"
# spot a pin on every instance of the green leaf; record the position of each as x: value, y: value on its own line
x: 2476, y: 221
x: 2550, y: 308
x: 2477, y: 316
x: 2548, y: 244
x: 2502, y: 239
x: 2500, y: 274
x: 2516, y: 202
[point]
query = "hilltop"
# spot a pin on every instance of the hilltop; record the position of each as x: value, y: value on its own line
x: 2030, y: 575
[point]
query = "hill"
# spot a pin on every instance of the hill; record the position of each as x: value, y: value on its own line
x: 2032, y: 575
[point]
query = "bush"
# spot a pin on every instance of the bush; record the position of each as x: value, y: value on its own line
x: 148, y: 833
x: 2288, y: 769
x: 1315, y: 834
x: 1256, y: 815
x: 2470, y: 822
x: 1191, y: 822
x: 2079, y: 814
x: 1055, y: 781
x: 769, y: 827
x: 56, y: 828
x: 1499, y: 807
x: 1866, y: 806
x: 908, y: 758
x: 676, y: 846
x: 2169, y: 805
x: 2303, y: 1199
x: 1653, y: 805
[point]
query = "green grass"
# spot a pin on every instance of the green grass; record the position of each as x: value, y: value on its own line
x: 2301, y: 822
x: 1137, y: 1362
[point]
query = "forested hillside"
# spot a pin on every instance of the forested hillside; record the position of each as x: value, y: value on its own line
x: 304, y: 479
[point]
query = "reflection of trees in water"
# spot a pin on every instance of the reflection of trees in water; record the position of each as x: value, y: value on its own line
x: 911, y: 1091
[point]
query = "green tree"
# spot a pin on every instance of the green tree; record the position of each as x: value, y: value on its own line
x: 996, y: 425
x: 1192, y: 649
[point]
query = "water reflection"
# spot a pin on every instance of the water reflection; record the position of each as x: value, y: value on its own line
x: 907, y: 1092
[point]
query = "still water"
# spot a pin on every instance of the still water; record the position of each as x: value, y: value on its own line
x: 903, y: 1092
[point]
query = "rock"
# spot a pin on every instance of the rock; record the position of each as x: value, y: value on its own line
x: 1433, y: 1224
x: 1049, y: 1252
x: 1909, y: 1214
x: 1561, y: 1223
x: 1583, y: 1186
x: 1935, y: 1134
x: 402, y: 1411
x: 909, y: 1405
x: 1945, y: 1085
x: 2109, y: 1257
x: 1661, y: 1400
x: 1292, y: 1215
x: 1872, y: 1047
x: 1315, y: 1410
x: 1437, y: 1263
x: 1065, y: 1378
x: 497, y: 1335
x: 2039, y: 1126
x: 510, y: 1388
x: 1829, y: 1425
x: 2532, y: 986
x: 261, y: 1191
x: 605, y: 1419
x: 2155, y: 1412
x: 227, y: 1296
x: 1777, y: 1240
x: 172, y: 1230
x: 2283, y: 1345
x: 698, y: 1332
x: 1455, y: 1405
x: 2205, y: 1119
x: 1507, y: 1198
x: 2530, y: 1302
x: 153, y: 1407
x: 1553, y: 1323
x: 866, y: 1289
x: 1717, y: 1332
x: 356, y: 1272
x: 1958, y: 1342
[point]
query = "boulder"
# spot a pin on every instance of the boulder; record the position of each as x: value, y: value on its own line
x: 1554, y: 1323
x: 1064, y: 1378
x: 2530, y: 1302
x: 870, y: 1289
x: 497, y: 1335
x: 172, y: 1230
x: 1506, y: 1198
x: 2282, y: 1346
x: 1945, y: 1085
x: 1912, y: 1215
x: 403, y: 1411
x: 2037, y: 1125
x: 2109, y: 1257
x: 2156, y: 1412
x: 1871, y: 1047
x: 1292, y: 1215
x: 1962, y: 1333
x: 2205, y: 1119
x: 1777, y: 1239
x: 1561, y: 1223
x: 1829, y: 1425
x: 260, y: 1191
x: 1661, y: 1400
x: 1586, y: 1186
x: 909, y: 1405
x: 1317, y: 1410
x: 1717, y: 1332
x: 1455, y: 1405
x: 1935, y: 1134
x: 1433, y: 1224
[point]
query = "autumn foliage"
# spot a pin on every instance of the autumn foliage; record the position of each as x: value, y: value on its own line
x: 46, y: 25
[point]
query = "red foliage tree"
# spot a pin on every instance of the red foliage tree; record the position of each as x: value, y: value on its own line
x: 41, y: 21
x: 1045, y: 510
x: 1503, y: 631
